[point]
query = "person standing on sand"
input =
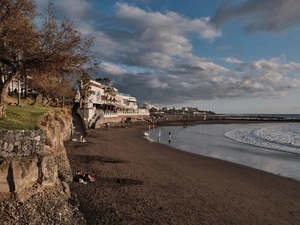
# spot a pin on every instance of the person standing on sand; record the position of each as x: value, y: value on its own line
x: 158, y: 135
x: 170, y: 136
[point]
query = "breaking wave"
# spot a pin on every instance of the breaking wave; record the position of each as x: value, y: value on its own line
x: 282, y: 137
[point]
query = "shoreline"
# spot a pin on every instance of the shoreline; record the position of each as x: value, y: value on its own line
x: 139, y: 182
x: 211, y: 141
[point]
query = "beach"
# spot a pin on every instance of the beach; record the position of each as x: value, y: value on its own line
x: 142, y: 182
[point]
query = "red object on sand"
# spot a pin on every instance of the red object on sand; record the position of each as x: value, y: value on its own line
x: 92, y: 178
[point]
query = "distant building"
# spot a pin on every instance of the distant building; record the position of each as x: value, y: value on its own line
x: 192, y: 108
x: 149, y: 106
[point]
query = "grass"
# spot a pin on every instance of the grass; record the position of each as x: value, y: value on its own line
x: 22, y: 118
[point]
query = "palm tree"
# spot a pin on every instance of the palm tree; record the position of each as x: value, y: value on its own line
x: 103, y: 80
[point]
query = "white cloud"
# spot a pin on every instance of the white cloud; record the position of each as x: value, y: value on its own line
x: 272, y: 74
x: 155, y: 83
x: 232, y: 60
x: 111, y: 69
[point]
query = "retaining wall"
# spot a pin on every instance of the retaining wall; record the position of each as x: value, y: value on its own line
x: 31, y: 160
x: 21, y: 142
x: 117, y: 119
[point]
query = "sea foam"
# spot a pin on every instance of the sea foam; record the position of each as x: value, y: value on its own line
x: 281, y: 137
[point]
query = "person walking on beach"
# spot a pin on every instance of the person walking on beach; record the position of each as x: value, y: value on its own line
x: 158, y: 135
x: 170, y: 136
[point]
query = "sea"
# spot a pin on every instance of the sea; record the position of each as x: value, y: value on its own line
x: 271, y: 147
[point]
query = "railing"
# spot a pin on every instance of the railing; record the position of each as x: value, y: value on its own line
x: 93, y: 121
x: 107, y: 114
x: 115, y: 114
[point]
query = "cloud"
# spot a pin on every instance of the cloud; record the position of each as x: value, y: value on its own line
x: 76, y: 9
x: 106, y: 68
x: 258, y: 79
x: 268, y: 77
x: 155, y: 83
x: 149, y: 55
x: 259, y: 15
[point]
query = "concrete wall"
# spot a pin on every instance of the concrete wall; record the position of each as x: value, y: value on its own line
x: 118, y: 119
x: 21, y: 142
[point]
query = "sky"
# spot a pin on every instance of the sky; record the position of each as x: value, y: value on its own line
x: 237, y: 56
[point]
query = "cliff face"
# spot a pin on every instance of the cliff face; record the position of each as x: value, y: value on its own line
x: 25, y: 180
x: 58, y: 129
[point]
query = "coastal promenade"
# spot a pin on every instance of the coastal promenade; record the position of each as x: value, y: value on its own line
x: 140, y: 182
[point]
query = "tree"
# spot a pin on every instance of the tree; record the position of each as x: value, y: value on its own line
x: 103, y: 80
x: 153, y: 110
x: 63, y: 50
x: 84, y: 83
x: 52, y: 88
x: 56, y: 52
x: 18, y: 42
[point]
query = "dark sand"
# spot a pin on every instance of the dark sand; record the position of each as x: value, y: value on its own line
x: 139, y: 182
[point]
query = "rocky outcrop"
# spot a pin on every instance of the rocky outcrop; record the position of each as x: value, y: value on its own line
x: 38, y: 179
x: 35, y: 157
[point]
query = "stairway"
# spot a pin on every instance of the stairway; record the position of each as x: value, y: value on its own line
x: 77, y: 122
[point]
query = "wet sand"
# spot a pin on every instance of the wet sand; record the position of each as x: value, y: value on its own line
x: 139, y: 182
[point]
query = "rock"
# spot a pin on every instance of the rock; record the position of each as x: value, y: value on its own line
x: 4, y: 187
x: 49, y: 171
x: 25, y: 172
x: 66, y: 189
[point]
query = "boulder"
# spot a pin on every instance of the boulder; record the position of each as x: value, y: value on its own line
x: 25, y: 172
x: 49, y: 171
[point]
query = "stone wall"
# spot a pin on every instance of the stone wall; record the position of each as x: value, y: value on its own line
x: 21, y: 142
x: 33, y: 160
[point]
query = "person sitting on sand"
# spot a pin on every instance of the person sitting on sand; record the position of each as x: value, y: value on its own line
x: 83, y: 179
x: 79, y: 175
x: 81, y: 139
x: 89, y: 178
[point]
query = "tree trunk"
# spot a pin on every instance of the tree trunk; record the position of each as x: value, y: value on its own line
x: 3, y: 98
x: 56, y: 101
x: 46, y: 100
x: 19, y: 92
x: 26, y: 87
x: 36, y: 98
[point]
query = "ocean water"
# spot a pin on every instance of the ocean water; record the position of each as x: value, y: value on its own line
x: 278, y: 137
x: 274, y: 148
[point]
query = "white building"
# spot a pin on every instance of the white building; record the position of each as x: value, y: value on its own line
x: 106, y: 104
